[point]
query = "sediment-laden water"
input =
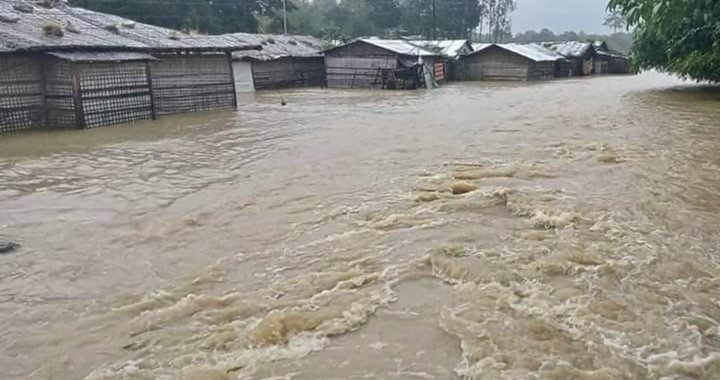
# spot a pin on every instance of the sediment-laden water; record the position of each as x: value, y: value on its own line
x: 561, y: 230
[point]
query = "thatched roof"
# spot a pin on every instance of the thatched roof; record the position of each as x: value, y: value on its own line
x: 275, y: 46
x: 26, y: 27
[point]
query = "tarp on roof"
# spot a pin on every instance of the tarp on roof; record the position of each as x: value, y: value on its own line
x: 532, y: 52
x: 571, y: 49
x: 102, y: 56
x: 446, y: 48
x: 84, y: 29
x: 276, y: 46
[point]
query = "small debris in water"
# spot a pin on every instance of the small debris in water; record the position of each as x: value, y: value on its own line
x: 283, y: 102
x: 460, y: 188
x: 8, y: 246
x: 427, y: 197
x: 204, y: 374
x: 609, y: 159
x: 484, y: 173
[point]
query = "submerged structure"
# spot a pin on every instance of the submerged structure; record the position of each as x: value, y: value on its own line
x: 376, y: 63
x: 511, y: 62
x: 609, y: 61
x: 282, y: 62
x: 582, y: 55
x: 66, y: 67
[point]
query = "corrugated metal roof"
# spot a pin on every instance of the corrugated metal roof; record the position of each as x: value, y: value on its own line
x: 571, y: 49
x: 401, y: 47
x: 103, y: 56
x: 276, y: 46
x: 479, y: 46
x: 447, y: 48
x: 86, y: 29
x: 532, y: 52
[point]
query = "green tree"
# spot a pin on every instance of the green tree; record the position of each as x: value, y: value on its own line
x: 681, y: 37
x: 457, y: 19
x: 615, y: 21
x: 453, y: 18
x: 497, y: 16
x: 205, y: 16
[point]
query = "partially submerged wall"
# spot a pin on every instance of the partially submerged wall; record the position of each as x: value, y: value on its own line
x: 358, y: 65
x: 114, y: 93
x: 189, y: 82
x: 289, y: 72
x: 21, y: 93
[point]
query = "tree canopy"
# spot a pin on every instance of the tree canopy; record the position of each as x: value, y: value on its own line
x: 205, y: 16
x: 681, y: 37
x: 331, y: 19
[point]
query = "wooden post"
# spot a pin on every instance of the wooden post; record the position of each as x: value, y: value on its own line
x: 232, y: 78
x: 43, y: 87
x: 77, y: 97
x: 352, y: 83
x: 148, y: 74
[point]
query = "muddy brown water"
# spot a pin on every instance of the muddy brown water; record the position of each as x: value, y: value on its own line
x: 561, y: 230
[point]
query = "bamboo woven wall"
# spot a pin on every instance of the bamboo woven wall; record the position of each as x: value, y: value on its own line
x: 21, y: 93
x: 186, y: 83
x: 498, y: 64
x: 357, y: 72
x: 358, y: 65
x: 114, y: 93
x: 38, y: 91
x: 289, y: 72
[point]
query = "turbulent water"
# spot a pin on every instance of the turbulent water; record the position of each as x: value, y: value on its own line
x: 562, y: 230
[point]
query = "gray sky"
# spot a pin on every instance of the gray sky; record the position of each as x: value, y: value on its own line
x: 560, y: 15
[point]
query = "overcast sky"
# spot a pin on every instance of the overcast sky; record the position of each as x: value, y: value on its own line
x: 560, y: 15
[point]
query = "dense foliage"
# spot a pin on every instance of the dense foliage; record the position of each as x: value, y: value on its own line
x: 388, y: 18
x: 206, y: 16
x: 332, y: 19
x: 679, y: 36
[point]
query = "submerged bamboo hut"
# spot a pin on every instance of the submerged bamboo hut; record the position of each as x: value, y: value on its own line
x: 283, y: 62
x: 608, y: 61
x: 582, y: 55
x: 66, y: 67
x: 376, y: 63
x: 510, y: 62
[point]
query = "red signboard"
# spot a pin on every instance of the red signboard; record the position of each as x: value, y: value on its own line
x: 439, y: 71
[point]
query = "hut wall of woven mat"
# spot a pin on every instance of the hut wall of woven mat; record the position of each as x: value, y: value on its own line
x: 114, y: 93
x: 289, y: 72
x: 186, y: 83
x: 21, y: 93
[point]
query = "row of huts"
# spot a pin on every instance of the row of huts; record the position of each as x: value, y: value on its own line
x: 67, y: 67
x: 300, y: 61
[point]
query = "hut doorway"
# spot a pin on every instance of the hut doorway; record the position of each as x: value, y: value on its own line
x: 242, y: 71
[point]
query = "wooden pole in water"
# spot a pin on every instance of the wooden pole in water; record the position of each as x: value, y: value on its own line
x: 285, y: 17
x: 434, y: 24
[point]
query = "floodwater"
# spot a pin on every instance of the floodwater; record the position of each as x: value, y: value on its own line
x: 560, y: 230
